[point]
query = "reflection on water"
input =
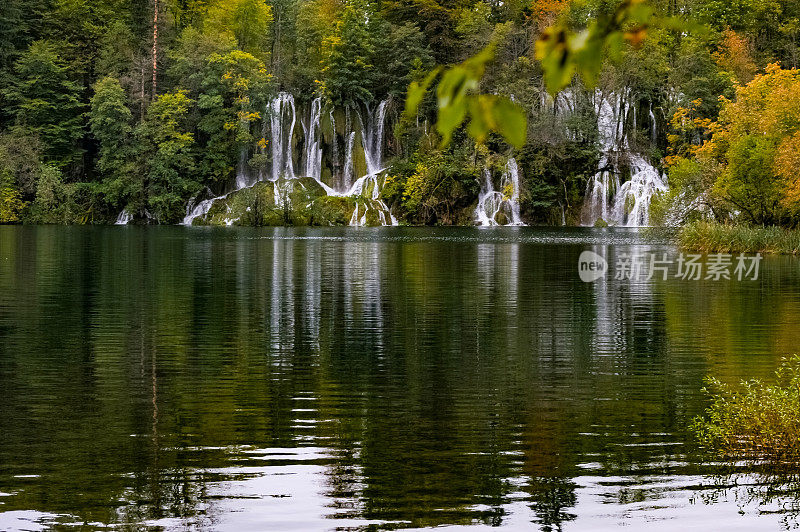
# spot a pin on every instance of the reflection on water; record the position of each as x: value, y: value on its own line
x: 308, y: 379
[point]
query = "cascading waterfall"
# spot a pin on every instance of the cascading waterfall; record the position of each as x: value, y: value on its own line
x: 282, y: 165
x: 492, y: 203
x: 511, y: 179
x: 313, y: 143
x: 628, y: 203
x: 349, y: 170
x: 489, y: 201
x: 372, y: 135
x: 124, y: 218
x: 241, y: 170
x: 201, y: 209
x: 632, y: 201
x: 280, y: 131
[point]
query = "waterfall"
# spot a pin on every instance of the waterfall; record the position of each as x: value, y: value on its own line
x: 335, y: 161
x: 653, y: 125
x: 492, y: 203
x: 124, y: 218
x: 279, y: 130
x: 241, y: 170
x: 511, y: 179
x: 349, y: 170
x: 281, y: 107
x: 313, y: 141
x: 627, y: 203
x: 489, y: 201
x: 644, y: 184
x: 199, y: 210
x: 372, y: 137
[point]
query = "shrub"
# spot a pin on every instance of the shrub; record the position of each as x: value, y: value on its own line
x: 756, y: 421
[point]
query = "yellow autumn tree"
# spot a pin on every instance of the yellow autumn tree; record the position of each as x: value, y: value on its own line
x: 754, y: 146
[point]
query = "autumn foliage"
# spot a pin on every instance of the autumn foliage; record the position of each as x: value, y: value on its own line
x: 754, y: 151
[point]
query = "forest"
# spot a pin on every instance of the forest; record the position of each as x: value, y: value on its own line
x: 292, y: 112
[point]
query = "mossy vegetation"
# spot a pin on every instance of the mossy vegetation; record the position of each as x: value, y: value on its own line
x: 300, y: 201
x: 757, y: 420
x: 711, y: 237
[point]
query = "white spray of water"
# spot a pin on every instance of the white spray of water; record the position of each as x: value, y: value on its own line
x: 282, y: 165
x: 492, y: 202
x: 372, y: 137
x: 628, y: 203
x: 313, y: 141
x: 124, y: 218
x: 282, y: 121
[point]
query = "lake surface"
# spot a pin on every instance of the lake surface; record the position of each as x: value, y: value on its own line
x: 315, y: 379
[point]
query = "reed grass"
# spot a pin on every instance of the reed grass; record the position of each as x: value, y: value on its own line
x: 709, y: 237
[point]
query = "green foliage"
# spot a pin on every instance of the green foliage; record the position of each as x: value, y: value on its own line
x: 248, y: 21
x: 556, y: 172
x: 11, y: 204
x: 346, y: 67
x: 435, y: 188
x: 710, y: 237
x: 758, y: 420
x: 110, y: 120
x: 399, y: 52
x: 45, y: 102
x: 54, y: 202
x: 233, y: 93
x: 20, y: 161
x: 564, y: 52
x: 167, y: 155
x: 457, y: 98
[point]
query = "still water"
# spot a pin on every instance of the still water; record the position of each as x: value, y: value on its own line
x: 315, y: 379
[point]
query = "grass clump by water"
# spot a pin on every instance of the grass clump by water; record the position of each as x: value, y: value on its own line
x: 756, y: 420
x: 712, y: 237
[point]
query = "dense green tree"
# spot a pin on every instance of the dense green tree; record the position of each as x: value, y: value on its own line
x: 166, y: 152
x: 46, y: 103
x: 399, y: 51
x: 233, y: 96
x: 110, y: 120
x: 247, y: 20
x: 346, y: 68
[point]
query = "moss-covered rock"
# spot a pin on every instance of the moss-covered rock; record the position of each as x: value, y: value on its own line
x: 601, y: 223
x: 300, y: 201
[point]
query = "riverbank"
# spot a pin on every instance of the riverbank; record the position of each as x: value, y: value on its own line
x: 709, y: 237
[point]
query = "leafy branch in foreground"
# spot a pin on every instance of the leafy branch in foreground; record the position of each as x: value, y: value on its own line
x: 457, y: 98
x: 562, y: 52
x: 756, y: 421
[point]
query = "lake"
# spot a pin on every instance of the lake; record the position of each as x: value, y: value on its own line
x: 343, y: 378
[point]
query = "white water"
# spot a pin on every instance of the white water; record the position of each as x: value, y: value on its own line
x: 283, y: 118
x: 372, y: 138
x: 633, y: 198
x: 492, y: 202
x: 282, y: 106
x: 124, y: 218
x: 349, y: 166
x: 313, y: 141
x: 628, y: 203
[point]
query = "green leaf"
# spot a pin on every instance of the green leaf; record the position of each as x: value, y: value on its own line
x: 450, y: 117
x: 511, y: 121
x: 416, y: 92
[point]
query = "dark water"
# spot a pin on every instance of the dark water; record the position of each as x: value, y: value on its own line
x: 281, y: 379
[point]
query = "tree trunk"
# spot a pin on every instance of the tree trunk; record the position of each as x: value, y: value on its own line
x: 155, y: 48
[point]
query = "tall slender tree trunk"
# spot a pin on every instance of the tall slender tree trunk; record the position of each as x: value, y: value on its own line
x: 155, y: 48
